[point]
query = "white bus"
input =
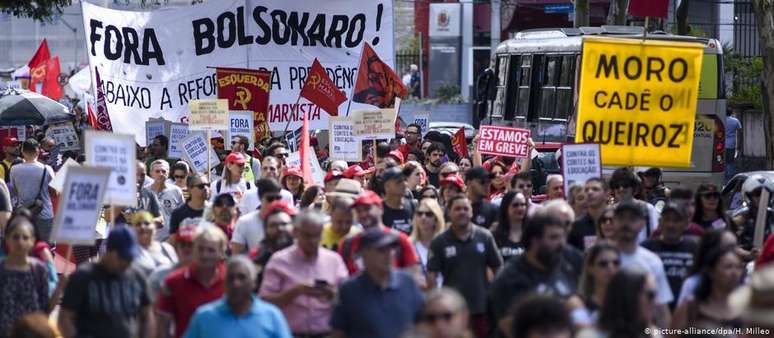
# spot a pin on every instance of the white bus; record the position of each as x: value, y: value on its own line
x: 534, y: 84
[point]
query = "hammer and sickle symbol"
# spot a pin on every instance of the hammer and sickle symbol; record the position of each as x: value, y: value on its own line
x: 314, y: 80
x: 243, y: 97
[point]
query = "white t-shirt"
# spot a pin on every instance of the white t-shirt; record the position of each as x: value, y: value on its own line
x: 689, y: 287
x: 645, y: 260
x: 248, y: 230
x: 249, y: 200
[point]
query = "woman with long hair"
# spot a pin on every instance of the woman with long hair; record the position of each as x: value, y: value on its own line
x: 605, y: 227
x: 600, y: 265
x: 498, y: 184
x: 629, y: 307
x: 710, y: 240
x: 577, y: 199
x: 428, y: 223
x: 511, y: 220
x: 24, y: 279
x: 313, y: 197
x: 464, y: 163
x: 234, y: 183
x: 710, y: 213
x: 709, y: 307
x: 430, y: 191
x: 293, y: 181
x: 417, y: 178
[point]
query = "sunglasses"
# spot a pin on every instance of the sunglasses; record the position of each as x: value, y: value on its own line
x: 283, y: 155
x: 606, y: 263
x: 433, y: 317
x: 272, y: 198
x: 201, y: 186
x: 179, y: 177
x: 425, y: 214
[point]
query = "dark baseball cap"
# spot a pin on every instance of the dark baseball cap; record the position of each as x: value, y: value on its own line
x: 675, y: 209
x: 123, y: 240
x: 376, y: 238
x: 630, y: 208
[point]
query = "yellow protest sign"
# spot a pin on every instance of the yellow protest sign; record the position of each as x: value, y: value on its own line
x: 637, y: 99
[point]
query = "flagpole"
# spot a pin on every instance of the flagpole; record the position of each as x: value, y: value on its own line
x: 297, y: 108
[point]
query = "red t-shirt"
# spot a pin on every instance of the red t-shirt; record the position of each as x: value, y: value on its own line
x: 405, y: 256
x: 181, y: 294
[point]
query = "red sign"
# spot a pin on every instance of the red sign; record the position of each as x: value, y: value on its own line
x: 246, y: 89
x: 320, y: 90
x: 503, y: 141
x: 649, y: 8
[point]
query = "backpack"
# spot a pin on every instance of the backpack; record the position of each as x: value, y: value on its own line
x: 220, y: 183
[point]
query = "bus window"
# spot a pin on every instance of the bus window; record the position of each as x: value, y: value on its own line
x: 556, y: 87
x: 501, y: 84
x: 522, y: 101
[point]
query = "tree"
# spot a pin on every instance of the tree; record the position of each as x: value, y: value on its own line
x: 764, y: 19
x: 682, y: 17
x: 616, y: 15
x: 38, y: 10
x: 581, y: 13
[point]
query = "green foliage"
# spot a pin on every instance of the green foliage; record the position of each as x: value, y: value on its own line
x: 448, y: 93
x: 746, y: 71
x: 41, y: 10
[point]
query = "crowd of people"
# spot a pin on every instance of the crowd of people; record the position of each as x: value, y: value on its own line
x: 415, y: 241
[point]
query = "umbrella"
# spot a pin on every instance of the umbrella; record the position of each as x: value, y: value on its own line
x: 21, y: 107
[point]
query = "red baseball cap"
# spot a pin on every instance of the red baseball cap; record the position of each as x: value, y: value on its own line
x: 453, y: 179
x: 282, y: 205
x: 186, y: 233
x: 237, y: 158
x: 368, y: 198
x: 293, y: 171
x: 10, y: 141
x: 354, y: 171
x: 333, y: 175
x: 397, y: 155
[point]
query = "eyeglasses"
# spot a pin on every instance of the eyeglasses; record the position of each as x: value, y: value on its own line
x: 433, y: 317
x: 606, y: 263
x: 272, y: 198
x: 179, y: 177
x: 425, y: 214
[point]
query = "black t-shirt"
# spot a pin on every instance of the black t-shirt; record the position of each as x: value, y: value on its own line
x: 519, y: 278
x: 508, y: 249
x: 433, y: 179
x: 584, y: 232
x: 484, y: 213
x: 400, y: 219
x: 106, y: 305
x: 463, y: 264
x: 184, y: 215
x: 677, y: 259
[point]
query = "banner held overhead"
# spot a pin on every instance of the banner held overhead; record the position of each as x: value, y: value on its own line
x: 637, y: 99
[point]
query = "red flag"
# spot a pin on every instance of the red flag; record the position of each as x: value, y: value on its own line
x: 103, y: 117
x: 47, y: 75
x: 459, y: 143
x: 649, y: 8
x: 247, y: 89
x: 92, y: 118
x: 320, y: 90
x: 377, y: 84
x: 305, y: 165
x: 41, y: 55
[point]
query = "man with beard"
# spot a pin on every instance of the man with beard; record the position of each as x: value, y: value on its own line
x: 628, y: 221
x: 433, y: 160
x: 540, y: 269
x: 462, y: 255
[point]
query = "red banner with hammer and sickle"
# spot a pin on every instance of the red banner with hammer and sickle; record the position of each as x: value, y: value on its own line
x: 322, y: 91
x: 247, y: 89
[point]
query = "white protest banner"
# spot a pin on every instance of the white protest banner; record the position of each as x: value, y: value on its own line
x: 294, y: 159
x: 423, y: 120
x: 177, y: 132
x: 195, y: 152
x: 80, y: 205
x: 208, y: 114
x: 580, y: 162
x: 64, y: 135
x: 117, y: 152
x: 504, y: 141
x: 240, y: 123
x: 156, y: 62
x: 57, y: 183
x: 155, y: 127
x: 343, y: 144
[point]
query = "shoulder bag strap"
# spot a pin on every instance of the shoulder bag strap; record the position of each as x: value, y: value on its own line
x: 42, y: 180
